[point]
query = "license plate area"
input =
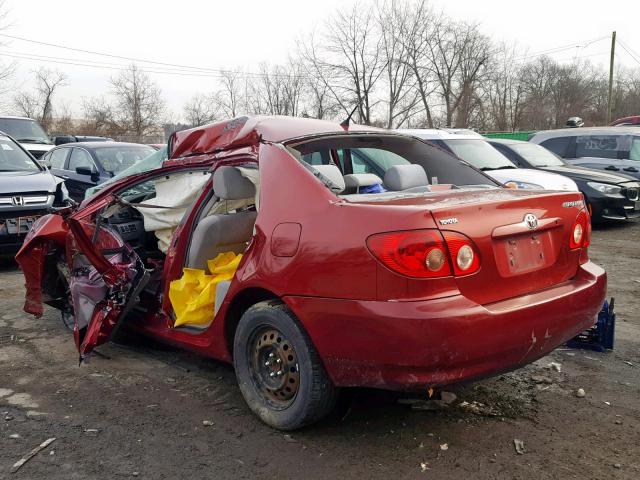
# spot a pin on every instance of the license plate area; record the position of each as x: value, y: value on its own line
x: 17, y: 226
x: 524, y: 253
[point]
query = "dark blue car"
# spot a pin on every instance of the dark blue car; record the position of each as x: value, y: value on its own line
x: 87, y: 164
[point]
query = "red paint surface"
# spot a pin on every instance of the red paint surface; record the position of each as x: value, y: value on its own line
x: 370, y: 325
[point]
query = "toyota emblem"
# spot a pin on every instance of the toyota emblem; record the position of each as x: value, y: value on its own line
x: 17, y: 200
x: 531, y: 221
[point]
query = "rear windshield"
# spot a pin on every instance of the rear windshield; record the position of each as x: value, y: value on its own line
x: 13, y: 158
x: 536, y: 155
x: 600, y: 146
x: 376, y: 154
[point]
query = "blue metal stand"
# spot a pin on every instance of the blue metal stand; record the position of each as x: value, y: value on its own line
x: 599, y: 337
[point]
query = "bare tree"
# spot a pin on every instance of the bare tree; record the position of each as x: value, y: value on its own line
x: 38, y: 104
x: 139, y: 105
x: 417, y: 34
x: 348, y: 59
x: 7, y: 70
x: 199, y: 110
x: 234, y: 88
x: 398, y: 78
x: 63, y: 121
x: 98, y: 118
x: 278, y: 89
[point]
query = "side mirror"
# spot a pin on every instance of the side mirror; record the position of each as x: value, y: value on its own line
x: 84, y: 171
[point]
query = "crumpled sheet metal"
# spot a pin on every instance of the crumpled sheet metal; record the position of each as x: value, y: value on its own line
x: 193, y: 295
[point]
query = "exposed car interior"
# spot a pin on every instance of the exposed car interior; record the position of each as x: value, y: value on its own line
x: 383, y: 166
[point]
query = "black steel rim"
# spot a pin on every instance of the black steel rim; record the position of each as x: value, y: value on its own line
x: 274, y: 367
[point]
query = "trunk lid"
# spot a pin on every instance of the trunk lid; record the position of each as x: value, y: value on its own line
x: 522, y: 239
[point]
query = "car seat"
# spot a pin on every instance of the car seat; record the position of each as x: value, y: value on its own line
x: 227, y: 232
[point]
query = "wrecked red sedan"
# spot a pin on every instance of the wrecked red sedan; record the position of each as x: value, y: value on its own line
x: 315, y: 256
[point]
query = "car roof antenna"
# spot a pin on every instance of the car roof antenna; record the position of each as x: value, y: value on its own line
x: 345, y: 123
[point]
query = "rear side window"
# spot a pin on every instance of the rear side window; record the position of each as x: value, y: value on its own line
x: 58, y: 157
x: 558, y: 145
x: 603, y: 146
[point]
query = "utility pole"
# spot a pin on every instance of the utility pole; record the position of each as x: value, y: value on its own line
x: 610, y: 99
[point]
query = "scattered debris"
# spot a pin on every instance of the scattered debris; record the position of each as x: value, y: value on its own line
x: 448, y: 397
x: 289, y: 438
x: 419, y: 404
x: 16, y: 466
x: 207, y: 423
x: 628, y: 363
x: 617, y: 465
x: 135, y: 474
x: 555, y: 366
x: 478, y: 408
x: 92, y: 431
x: 541, y: 379
x: 424, y: 466
x: 8, y: 417
x: 519, y: 446
x: 618, y: 421
x: 52, y: 452
x: 444, y: 447
x: 608, y: 404
x: 14, y: 435
x: 580, y: 393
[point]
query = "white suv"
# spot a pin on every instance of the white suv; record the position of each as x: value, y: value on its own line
x: 28, y: 133
x: 475, y: 150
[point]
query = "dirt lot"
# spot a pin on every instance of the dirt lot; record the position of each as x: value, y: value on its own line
x: 139, y: 411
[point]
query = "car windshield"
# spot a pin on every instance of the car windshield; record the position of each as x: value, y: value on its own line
x: 536, y: 155
x: 24, y: 130
x: 13, y: 158
x: 479, y: 153
x: 152, y: 162
x: 115, y: 159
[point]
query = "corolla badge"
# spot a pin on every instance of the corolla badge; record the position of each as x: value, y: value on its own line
x: 531, y: 221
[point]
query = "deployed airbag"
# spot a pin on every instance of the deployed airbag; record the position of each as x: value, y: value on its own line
x: 193, y: 296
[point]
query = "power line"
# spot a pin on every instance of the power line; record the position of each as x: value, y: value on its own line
x: 634, y: 56
x: 154, y: 62
x: 563, y: 48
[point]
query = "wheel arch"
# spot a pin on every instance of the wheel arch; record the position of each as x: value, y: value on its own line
x: 240, y: 303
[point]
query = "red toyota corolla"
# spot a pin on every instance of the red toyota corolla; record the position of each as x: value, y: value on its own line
x: 315, y: 256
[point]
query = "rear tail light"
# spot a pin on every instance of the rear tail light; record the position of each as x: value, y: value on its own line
x: 423, y: 253
x: 464, y: 255
x: 580, y: 232
x: 415, y: 253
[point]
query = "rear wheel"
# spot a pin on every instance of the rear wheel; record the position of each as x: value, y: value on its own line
x: 278, y: 369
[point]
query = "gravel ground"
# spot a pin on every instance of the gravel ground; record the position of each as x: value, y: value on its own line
x: 139, y: 410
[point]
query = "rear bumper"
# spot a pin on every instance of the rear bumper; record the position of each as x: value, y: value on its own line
x: 412, y: 345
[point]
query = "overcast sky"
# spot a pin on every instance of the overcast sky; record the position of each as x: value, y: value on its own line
x: 243, y: 33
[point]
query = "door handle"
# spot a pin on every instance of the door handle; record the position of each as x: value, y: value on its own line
x: 611, y: 167
x: 630, y: 169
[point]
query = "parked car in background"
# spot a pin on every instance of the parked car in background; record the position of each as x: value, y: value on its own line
x: 325, y: 287
x: 28, y: 133
x: 614, y: 149
x: 633, y: 120
x: 609, y: 195
x: 474, y: 149
x: 27, y: 191
x: 86, y: 164
x: 62, y: 139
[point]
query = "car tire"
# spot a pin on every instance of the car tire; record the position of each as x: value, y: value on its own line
x: 279, y: 371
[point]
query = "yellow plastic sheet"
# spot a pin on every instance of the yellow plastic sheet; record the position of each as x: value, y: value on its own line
x: 193, y: 295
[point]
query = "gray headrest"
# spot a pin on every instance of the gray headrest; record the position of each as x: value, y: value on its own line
x: 229, y: 184
x: 401, y: 177
x: 333, y: 174
x: 357, y: 180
